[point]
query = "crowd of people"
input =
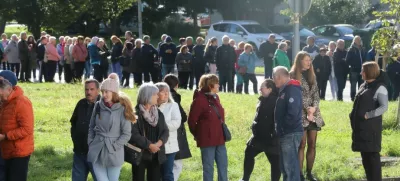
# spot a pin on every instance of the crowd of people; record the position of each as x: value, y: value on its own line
x: 106, y: 127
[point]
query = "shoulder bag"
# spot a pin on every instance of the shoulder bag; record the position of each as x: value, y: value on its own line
x: 225, y: 130
x: 132, y: 153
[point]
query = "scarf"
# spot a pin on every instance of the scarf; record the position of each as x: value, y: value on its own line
x: 150, y: 116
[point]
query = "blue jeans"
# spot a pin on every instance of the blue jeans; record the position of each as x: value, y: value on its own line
x: 355, y: 78
x: 217, y: 153
x: 106, y: 173
x: 167, y: 167
x: 289, y: 148
x: 166, y: 69
x: 88, y: 69
x: 81, y: 168
x: 116, y: 68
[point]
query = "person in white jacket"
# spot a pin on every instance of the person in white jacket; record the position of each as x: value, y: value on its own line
x: 172, y: 116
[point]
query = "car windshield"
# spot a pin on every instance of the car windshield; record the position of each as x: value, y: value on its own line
x: 256, y: 29
x: 346, y: 29
x: 306, y: 32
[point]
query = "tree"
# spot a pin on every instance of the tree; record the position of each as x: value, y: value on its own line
x: 6, y: 13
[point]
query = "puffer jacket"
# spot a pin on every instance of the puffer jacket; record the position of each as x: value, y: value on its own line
x: 184, y: 62
x: 209, y: 54
x: 17, y: 125
x: 173, y: 118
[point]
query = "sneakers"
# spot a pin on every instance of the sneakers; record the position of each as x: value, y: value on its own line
x: 311, y: 177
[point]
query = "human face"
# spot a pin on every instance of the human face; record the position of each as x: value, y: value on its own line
x: 271, y: 39
x: 138, y: 44
x: 154, y: 99
x: 265, y: 91
x: 4, y: 36
x: 61, y: 40
x: 363, y: 75
x: 189, y: 42
x: 232, y: 43
x: 147, y: 42
x: 23, y: 36
x: 128, y: 36
x: 87, y: 41
x: 80, y: 41
x: 215, y: 43
x: 185, y: 50
x: 4, y: 93
x: 306, y: 63
x: 14, y: 38
x: 332, y: 47
x: 53, y: 42
x: 357, y: 41
x: 44, y: 41
x: 163, y: 96
x: 215, y: 88
x: 322, y: 53
x: 226, y: 41
x: 248, y: 50
x: 107, y: 96
x: 91, y: 92
x: 278, y: 81
x: 285, y: 48
x: 340, y: 45
x: 100, y: 44
x: 310, y: 41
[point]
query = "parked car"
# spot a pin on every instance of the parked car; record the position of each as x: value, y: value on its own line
x: 287, y: 32
x: 378, y: 24
x: 247, y: 31
x: 336, y: 31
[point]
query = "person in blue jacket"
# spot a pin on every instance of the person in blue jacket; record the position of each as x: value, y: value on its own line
x: 95, y: 59
x: 168, y: 53
x: 355, y: 58
x: 288, y: 120
x: 248, y: 59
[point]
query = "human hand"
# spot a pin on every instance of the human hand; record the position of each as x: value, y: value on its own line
x: 159, y: 143
x: 271, y: 55
x: 2, y: 137
x: 310, y: 117
x: 311, y: 110
x: 153, y: 148
x: 365, y: 116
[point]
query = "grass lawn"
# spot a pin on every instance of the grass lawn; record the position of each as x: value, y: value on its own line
x: 259, y: 70
x: 52, y: 159
x: 15, y: 30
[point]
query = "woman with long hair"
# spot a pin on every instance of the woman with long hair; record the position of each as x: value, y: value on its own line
x: 127, y: 53
x: 209, y: 54
x: 109, y: 130
x: 332, y: 76
x: 303, y: 71
x: 32, y: 47
x: 150, y: 133
x: 116, y: 52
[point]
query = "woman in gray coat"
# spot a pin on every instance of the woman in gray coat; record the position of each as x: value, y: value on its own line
x: 12, y: 55
x: 109, y: 130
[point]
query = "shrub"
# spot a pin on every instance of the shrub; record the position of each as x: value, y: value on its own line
x: 175, y: 27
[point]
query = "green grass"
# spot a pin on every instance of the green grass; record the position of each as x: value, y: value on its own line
x: 52, y: 159
x: 259, y: 70
x: 15, y: 30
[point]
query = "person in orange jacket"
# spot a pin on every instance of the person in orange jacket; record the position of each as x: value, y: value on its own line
x: 16, y: 128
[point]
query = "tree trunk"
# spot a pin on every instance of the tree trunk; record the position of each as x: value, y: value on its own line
x: 2, y: 26
x: 114, y: 26
x: 398, y: 114
x: 35, y: 29
x: 194, y: 17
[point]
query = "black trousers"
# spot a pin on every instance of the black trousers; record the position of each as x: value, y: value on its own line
x: 153, y: 73
x: 153, y: 171
x: 79, y: 67
x: 15, y: 67
x: 98, y: 72
x: 372, y: 165
x: 138, y: 78
x: 250, y: 153
x: 26, y: 69
x: 226, y: 81
x: 341, y: 81
x: 322, y: 83
x: 104, y: 68
x: 184, y: 79
x: 6, y: 66
x: 68, y: 75
x: 60, y: 68
x: 42, y: 70
x: 17, y: 169
x: 198, y: 72
x: 51, y: 70
x: 191, y: 80
x: 253, y: 79
x: 125, y: 77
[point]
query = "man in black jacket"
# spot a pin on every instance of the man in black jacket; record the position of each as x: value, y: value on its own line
x: 355, y: 58
x: 24, y: 57
x: 79, y: 130
x: 168, y: 54
x: 322, y: 68
x: 267, y: 51
x: 225, y: 58
x: 340, y: 67
x: 41, y: 50
x: 151, y: 64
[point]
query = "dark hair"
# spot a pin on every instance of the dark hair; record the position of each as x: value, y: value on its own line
x: 172, y: 80
x: 183, y: 48
x: 181, y: 40
x: 4, y: 83
x: 129, y: 33
x: 42, y: 38
x: 269, y: 83
x: 89, y: 81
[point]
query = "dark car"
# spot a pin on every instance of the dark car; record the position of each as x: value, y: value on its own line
x: 334, y: 32
x: 287, y: 32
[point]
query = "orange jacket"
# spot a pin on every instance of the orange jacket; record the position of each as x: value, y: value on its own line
x: 16, y: 122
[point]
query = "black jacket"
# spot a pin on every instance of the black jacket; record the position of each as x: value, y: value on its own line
x: 41, y: 51
x: 340, y: 66
x: 367, y: 134
x: 393, y: 71
x: 141, y: 141
x: 355, y: 58
x: 184, y: 62
x: 116, y: 52
x: 80, y: 125
x: 168, y: 58
x: 209, y: 54
x: 264, y: 136
x: 198, y: 57
x: 137, y: 64
x: 184, y: 150
x: 322, y: 67
x: 265, y: 49
x: 150, y: 55
x: 225, y: 58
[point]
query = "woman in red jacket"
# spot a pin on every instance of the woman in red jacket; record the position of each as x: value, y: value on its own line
x: 239, y: 78
x: 205, y: 125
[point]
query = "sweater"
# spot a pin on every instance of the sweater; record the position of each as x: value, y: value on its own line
x: 51, y: 53
x: 173, y: 118
x: 184, y: 62
x: 79, y: 53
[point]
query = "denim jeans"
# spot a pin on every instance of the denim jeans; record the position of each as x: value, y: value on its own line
x: 81, y: 168
x: 334, y: 86
x: 166, y: 69
x: 355, y: 78
x: 167, y: 167
x: 217, y: 153
x: 289, y: 148
x: 225, y: 81
x: 116, y: 68
x: 106, y: 173
x: 250, y: 77
x: 267, y: 72
x: 88, y: 69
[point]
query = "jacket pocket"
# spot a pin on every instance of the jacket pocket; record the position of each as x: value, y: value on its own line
x: 366, y: 136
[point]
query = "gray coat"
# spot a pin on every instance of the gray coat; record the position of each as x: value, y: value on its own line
x: 11, y: 51
x: 108, y: 135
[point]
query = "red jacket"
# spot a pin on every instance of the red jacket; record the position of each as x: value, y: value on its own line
x: 203, y: 120
x: 16, y: 118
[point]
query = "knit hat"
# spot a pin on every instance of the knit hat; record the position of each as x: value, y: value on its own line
x: 111, y: 83
x: 10, y: 76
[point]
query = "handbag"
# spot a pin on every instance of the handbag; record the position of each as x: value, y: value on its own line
x: 124, y: 61
x: 133, y: 154
x: 243, y: 70
x: 225, y: 130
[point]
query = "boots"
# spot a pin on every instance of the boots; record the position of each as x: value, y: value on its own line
x: 239, y: 88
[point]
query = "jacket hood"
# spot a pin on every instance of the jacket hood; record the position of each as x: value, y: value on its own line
x: 17, y: 91
x: 380, y: 80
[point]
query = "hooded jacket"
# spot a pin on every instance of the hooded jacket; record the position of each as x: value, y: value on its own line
x: 288, y: 110
x: 150, y: 55
x: 173, y: 118
x: 267, y: 49
x: 116, y: 52
x: 198, y: 57
x: 281, y: 59
x: 340, y: 66
x: 322, y: 67
x: 17, y: 123
x: 94, y: 53
x: 168, y: 57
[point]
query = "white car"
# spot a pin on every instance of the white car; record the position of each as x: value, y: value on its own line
x: 247, y: 31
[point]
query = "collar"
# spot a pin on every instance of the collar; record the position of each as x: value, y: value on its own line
x: 284, y: 86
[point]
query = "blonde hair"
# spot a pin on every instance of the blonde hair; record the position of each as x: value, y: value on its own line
x: 297, y: 69
x: 207, y: 82
x: 247, y: 45
x: 210, y: 41
x: 123, y: 99
x: 115, y: 38
x: 199, y: 40
x: 241, y: 45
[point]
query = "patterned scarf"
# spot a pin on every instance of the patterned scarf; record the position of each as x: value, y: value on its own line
x: 150, y: 116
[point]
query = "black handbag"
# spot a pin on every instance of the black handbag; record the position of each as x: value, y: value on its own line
x: 225, y: 130
x: 124, y: 61
x: 133, y: 154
